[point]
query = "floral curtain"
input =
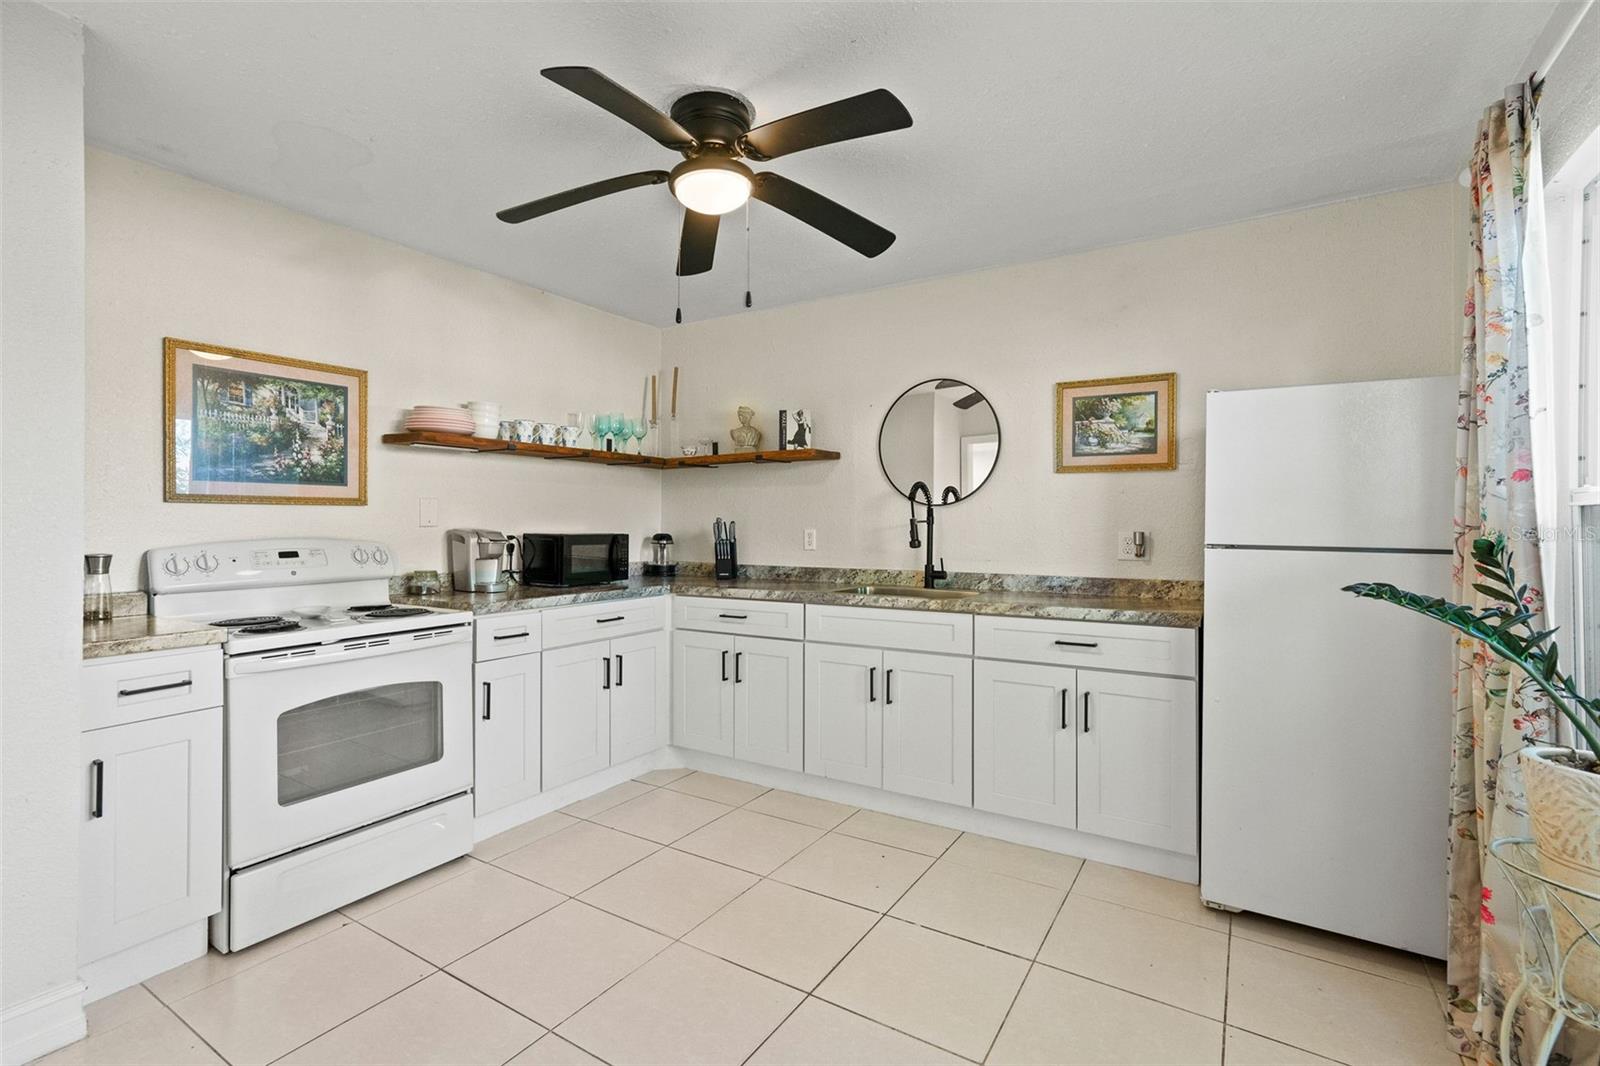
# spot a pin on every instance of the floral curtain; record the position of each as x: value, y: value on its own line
x: 1495, y: 495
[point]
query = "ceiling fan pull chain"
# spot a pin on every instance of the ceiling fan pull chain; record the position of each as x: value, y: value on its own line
x: 747, y: 254
x: 679, y: 316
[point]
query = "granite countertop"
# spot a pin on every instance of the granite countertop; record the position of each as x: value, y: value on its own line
x: 134, y: 633
x: 1157, y: 603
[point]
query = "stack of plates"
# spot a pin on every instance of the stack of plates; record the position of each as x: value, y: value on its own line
x: 439, y: 419
x: 486, y: 417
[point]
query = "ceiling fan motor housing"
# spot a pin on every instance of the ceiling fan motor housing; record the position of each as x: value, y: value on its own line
x: 714, y: 118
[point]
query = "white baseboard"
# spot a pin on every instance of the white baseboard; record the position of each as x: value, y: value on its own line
x: 42, y: 1023
x: 129, y: 966
x: 533, y: 807
x: 1003, y: 827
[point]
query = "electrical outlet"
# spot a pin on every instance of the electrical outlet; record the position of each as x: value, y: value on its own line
x: 811, y: 540
x: 1133, y: 545
x: 427, y: 512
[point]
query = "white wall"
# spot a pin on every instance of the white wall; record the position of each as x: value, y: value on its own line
x: 170, y: 256
x: 1362, y: 289
x: 41, y: 507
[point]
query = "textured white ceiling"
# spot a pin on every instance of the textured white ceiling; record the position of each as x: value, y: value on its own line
x: 1040, y: 129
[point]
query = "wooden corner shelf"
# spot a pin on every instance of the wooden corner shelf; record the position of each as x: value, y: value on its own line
x: 465, y: 443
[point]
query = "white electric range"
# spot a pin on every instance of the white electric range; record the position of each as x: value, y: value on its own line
x: 348, y: 724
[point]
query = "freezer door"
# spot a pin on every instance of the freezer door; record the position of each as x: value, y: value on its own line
x: 1325, y: 744
x: 1365, y: 464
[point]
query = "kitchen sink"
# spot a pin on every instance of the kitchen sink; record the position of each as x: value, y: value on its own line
x: 911, y: 591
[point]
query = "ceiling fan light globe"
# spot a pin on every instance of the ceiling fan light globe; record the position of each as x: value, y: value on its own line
x: 712, y: 192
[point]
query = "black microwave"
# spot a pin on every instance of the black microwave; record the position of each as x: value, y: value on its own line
x: 574, y: 558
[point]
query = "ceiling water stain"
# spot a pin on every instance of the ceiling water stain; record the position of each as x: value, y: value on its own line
x: 315, y: 162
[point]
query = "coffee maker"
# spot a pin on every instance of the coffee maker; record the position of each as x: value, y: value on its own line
x: 482, y: 560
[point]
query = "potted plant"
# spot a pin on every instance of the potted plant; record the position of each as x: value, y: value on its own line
x: 1563, y: 785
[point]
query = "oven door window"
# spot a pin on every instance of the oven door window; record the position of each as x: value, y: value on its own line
x: 348, y: 740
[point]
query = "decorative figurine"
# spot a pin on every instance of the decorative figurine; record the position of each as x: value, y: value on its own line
x: 746, y: 438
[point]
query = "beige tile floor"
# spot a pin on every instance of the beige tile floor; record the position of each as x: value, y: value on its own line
x: 690, y: 918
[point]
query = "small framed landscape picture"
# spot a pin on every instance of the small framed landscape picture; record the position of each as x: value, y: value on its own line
x: 1117, y: 424
x: 246, y: 427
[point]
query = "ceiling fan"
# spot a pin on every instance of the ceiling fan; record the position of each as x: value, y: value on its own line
x: 712, y: 131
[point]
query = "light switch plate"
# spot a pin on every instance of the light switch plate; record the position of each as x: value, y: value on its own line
x: 811, y: 540
x: 427, y: 512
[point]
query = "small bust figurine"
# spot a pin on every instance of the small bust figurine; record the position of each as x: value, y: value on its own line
x: 746, y: 438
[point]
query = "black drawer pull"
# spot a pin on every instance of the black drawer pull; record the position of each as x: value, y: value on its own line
x: 1078, y: 643
x: 486, y: 690
x: 888, y: 687
x: 607, y: 683
x: 97, y: 793
x: 619, y: 671
x: 511, y: 636
x: 1085, y: 710
x: 613, y: 618
x: 724, y: 666
x: 738, y: 663
x: 152, y: 688
x: 872, y: 684
x: 735, y: 617
x: 1064, y: 723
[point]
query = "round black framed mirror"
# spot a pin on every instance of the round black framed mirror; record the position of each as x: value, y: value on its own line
x: 943, y: 433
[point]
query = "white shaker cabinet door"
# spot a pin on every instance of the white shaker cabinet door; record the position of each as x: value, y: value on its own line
x: 844, y: 713
x: 506, y: 732
x: 702, y: 691
x: 151, y: 845
x: 769, y: 702
x: 640, y: 695
x: 577, y: 712
x: 1137, y: 758
x: 1023, y: 749
x: 927, y: 726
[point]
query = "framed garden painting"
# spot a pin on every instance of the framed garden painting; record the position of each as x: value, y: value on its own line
x: 246, y: 427
x: 1117, y: 424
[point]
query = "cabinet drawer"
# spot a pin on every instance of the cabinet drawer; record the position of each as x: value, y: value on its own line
x: 1142, y: 649
x: 602, y: 621
x: 497, y: 636
x: 878, y: 627
x: 758, y: 618
x: 133, y: 688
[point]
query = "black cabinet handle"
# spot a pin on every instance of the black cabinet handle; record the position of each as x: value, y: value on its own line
x: 888, y: 686
x: 607, y: 683
x: 153, y: 688
x: 619, y: 671
x: 1079, y: 643
x: 487, y: 689
x: 603, y: 621
x: 738, y: 665
x: 735, y: 617
x: 872, y: 684
x: 724, y: 666
x: 1085, y: 710
x: 511, y: 636
x: 1064, y: 723
x: 97, y: 789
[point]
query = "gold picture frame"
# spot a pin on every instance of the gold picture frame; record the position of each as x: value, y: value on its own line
x: 1117, y: 424
x: 239, y: 428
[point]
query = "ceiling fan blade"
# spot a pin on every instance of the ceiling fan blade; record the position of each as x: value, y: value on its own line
x: 598, y: 89
x: 843, y: 120
x: 970, y: 400
x: 949, y: 383
x: 814, y: 209
x: 572, y: 197
x: 699, y: 243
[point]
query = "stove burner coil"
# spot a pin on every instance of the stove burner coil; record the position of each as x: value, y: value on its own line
x: 251, y: 620
x: 281, y: 625
x: 366, y: 608
x: 398, y: 612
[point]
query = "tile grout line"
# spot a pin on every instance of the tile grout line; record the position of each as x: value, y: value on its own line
x: 1227, y: 986
x: 184, y: 1022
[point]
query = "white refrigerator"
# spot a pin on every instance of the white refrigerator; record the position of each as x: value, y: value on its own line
x: 1326, y: 720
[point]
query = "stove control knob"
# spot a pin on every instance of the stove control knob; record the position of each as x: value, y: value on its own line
x: 175, y: 565
x: 206, y: 563
x: 380, y: 556
x: 359, y: 555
